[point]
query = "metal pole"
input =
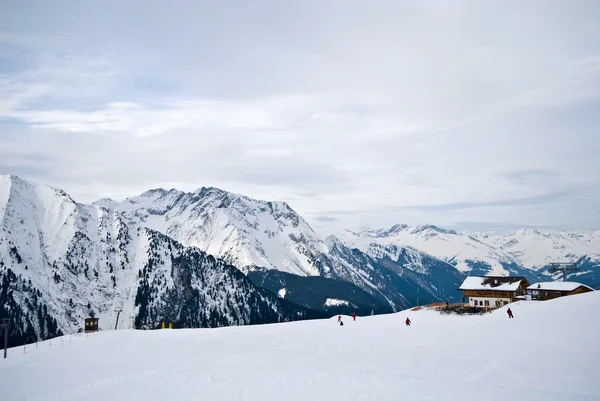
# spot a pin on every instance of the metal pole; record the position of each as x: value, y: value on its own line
x: 5, y: 339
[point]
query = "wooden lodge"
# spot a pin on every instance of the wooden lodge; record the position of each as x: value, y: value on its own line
x: 493, y: 291
x: 554, y: 289
x: 91, y: 324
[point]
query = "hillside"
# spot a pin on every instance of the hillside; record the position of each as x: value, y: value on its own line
x: 319, y: 293
x: 238, y: 229
x: 439, y: 357
x: 62, y: 261
x: 248, y: 232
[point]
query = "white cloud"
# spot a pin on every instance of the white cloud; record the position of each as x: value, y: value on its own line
x: 379, y: 108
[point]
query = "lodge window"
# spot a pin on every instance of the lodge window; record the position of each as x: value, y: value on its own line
x: 487, y: 303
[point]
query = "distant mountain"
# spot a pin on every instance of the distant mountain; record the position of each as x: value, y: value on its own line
x: 240, y: 230
x: 535, y: 251
x: 466, y: 253
x: 62, y: 261
x: 525, y: 252
x: 248, y: 232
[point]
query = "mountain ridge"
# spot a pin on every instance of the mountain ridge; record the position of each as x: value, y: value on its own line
x: 51, y: 247
x: 62, y: 261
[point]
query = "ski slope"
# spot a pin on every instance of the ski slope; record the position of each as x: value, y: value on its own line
x: 550, y: 351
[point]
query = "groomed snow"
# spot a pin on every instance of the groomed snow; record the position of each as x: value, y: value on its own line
x: 557, y: 286
x: 439, y: 357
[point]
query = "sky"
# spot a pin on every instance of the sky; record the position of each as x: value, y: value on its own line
x: 468, y: 114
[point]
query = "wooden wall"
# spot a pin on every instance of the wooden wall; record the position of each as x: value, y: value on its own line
x: 489, y: 294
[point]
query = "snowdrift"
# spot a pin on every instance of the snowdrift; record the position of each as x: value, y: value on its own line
x: 549, y: 351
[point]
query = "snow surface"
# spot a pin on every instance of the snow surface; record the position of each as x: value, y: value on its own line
x: 336, y: 302
x: 439, y: 357
x: 557, y: 286
x: 478, y: 283
x: 281, y: 293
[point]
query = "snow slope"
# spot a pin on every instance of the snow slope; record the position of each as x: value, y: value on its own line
x: 375, y: 358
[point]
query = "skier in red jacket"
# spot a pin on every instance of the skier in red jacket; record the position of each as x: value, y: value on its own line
x: 354, y: 316
x: 510, y: 314
x: 407, y: 321
x: 339, y: 318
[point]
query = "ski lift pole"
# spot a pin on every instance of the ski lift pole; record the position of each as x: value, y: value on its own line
x: 4, y: 324
x: 417, y: 296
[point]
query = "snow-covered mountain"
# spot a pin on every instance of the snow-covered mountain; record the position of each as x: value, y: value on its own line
x: 463, y: 251
x: 62, y: 261
x: 248, y: 232
x: 244, y: 232
x: 148, y: 258
x: 526, y: 251
x: 535, y: 250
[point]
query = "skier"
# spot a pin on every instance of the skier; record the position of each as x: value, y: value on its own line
x: 341, y: 323
x: 354, y: 316
x: 407, y: 321
x: 339, y: 318
x: 510, y: 314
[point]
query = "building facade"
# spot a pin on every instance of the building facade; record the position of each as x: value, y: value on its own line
x: 554, y: 289
x: 493, y: 291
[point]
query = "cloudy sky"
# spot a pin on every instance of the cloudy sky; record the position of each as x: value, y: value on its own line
x: 472, y: 114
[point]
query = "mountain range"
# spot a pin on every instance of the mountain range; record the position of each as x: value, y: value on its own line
x: 213, y: 258
x: 526, y: 252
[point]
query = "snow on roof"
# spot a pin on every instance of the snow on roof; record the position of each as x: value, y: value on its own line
x: 478, y: 283
x: 557, y: 286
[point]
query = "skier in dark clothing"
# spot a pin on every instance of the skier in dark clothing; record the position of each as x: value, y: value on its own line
x: 354, y: 316
x: 407, y: 321
x: 341, y: 323
x: 510, y: 314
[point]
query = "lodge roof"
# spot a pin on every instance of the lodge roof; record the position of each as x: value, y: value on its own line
x: 492, y: 283
x: 557, y: 286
